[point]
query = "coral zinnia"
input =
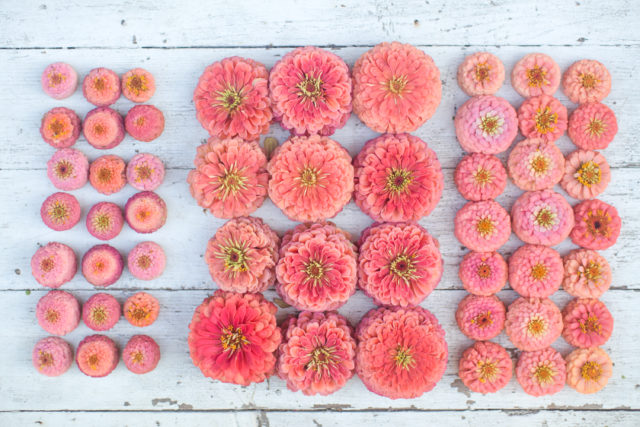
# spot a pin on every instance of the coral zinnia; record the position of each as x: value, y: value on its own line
x: 97, y: 356
x: 398, y: 178
x: 230, y: 178
x: 399, y: 264
x: 101, y: 87
x: 317, y: 354
x: 396, y: 87
x: 58, y: 312
x: 542, y: 117
x: 481, y: 73
x: 401, y: 352
x: 586, y: 81
x: 533, y: 323
x: 310, y: 90
x: 592, y: 126
x: 486, y: 124
x: 232, y: 99
x: 311, y: 178
x: 242, y: 255
x: 587, y: 274
x: 60, y: 211
x: 588, y: 369
x: 535, y: 271
x: 138, y: 85
x: 60, y: 127
x: 233, y: 337
x: 141, y: 309
x: 587, y: 323
x: 541, y: 372
x: 480, y: 177
x: 535, y: 164
x: 483, y: 273
x: 481, y: 318
x: 482, y: 226
x: 542, y: 218
x: 485, y: 367
x: 535, y: 74
x: 597, y: 225
x: 107, y: 174
x: 103, y: 128
x: 586, y: 174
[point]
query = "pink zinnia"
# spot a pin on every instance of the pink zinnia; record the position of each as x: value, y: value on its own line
x: 535, y: 74
x: 230, y: 178
x: 481, y: 73
x: 317, y: 269
x: 586, y: 174
x: 60, y: 211
x: 402, y: 352
x: 485, y: 367
x: 585, y: 81
x: 242, y: 255
x: 144, y: 122
x: 317, y: 354
x: 311, y: 178
x: 58, y: 312
x: 397, y: 178
x: 396, y: 87
x: 541, y: 372
x: 535, y: 164
x: 107, y: 174
x: 232, y: 99
x: 483, y: 273
x: 103, y: 128
x: 52, y: 356
x: 60, y: 127
x: 146, y: 261
x: 597, y: 225
x: 141, y: 354
x: 59, y: 80
x: 587, y: 323
x: 399, y: 264
x: 588, y: 369
x: 486, y: 124
x: 542, y: 218
x: 53, y: 264
x: 480, y: 177
x: 68, y: 169
x: 310, y: 90
x: 101, y: 87
x: 592, y: 126
x: 542, y: 117
x: 97, y: 356
x: 533, y: 323
x: 535, y: 271
x: 481, y: 318
x: 587, y: 274
x: 233, y: 337
x: 138, y: 85
x: 101, y: 312
x: 104, y: 220
x: 145, y: 172
x: 482, y: 226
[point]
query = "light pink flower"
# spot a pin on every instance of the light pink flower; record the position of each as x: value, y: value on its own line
x: 481, y: 318
x: 588, y: 369
x: 146, y: 261
x: 53, y: 265
x: 585, y: 81
x: 482, y: 226
x: 541, y: 372
x: 587, y: 274
x: 58, y: 312
x: 59, y: 80
x: 480, y: 177
x: 592, y: 126
x: 586, y: 174
x: 481, y: 73
x: 535, y: 164
x: 535, y: 271
x: 542, y: 117
x: 535, y: 74
x: 145, y: 172
x: 533, y: 323
x: 97, y: 356
x: 486, y: 124
x: 141, y: 354
x: 483, y: 273
x: 485, y: 367
x: 60, y: 127
x: 68, y: 169
x: 597, y: 225
x: 542, y: 218
x: 52, y: 356
x: 587, y: 323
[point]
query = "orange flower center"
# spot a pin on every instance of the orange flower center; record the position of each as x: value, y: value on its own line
x: 482, y: 176
x: 56, y: 78
x: 139, y: 313
x: 545, y: 218
x: 58, y: 128
x: 93, y: 361
x: 483, y: 320
x: 591, y: 371
x: 137, y: 357
x: 590, y: 325
x: 403, y: 267
x: 230, y: 99
x: 45, y: 359
x: 485, y: 227
x: 144, y: 262
x: 588, y: 80
x: 598, y: 223
x: 99, y: 83
x: 58, y: 212
x: 546, y: 120
x: 310, y: 88
x: 589, y: 174
x: 316, y: 272
x: 539, y: 164
x: 64, y: 169
x: 596, y: 127
x: 52, y: 316
x: 403, y: 357
x: 398, y: 181
x: 487, y: 371
x: 140, y: 121
x: 539, y: 271
x: 143, y: 172
x: 484, y: 271
x: 544, y: 373
x: 536, y: 326
x: 482, y: 72
x: 592, y: 271
x: 47, y: 264
x: 537, y: 76
x: 232, y: 339
x: 99, y: 315
x: 105, y: 175
x: 321, y: 358
x: 137, y: 84
x: 397, y: 84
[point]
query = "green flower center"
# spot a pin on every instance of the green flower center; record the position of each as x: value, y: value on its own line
x: 230, y: 99
x: 398, y: 181
x: 232, y: 181
x: 403, y: 357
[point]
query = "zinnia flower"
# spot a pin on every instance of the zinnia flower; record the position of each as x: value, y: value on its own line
x: 535, y: 74
x: 586, y: 174
x: 482, y: 226
x: 541, y: 372
x: 52, y: 356
x: 68, y: 169
x: 485, y: 367
x: 399, y: 264
x: 310, y: 90
x: 397, y: 178
x: 587, y: 274
x: 542, y: 117
x: 233, y: 337
x: 60, y: 127
x: 480, y: 318
x: 483, y: 273
x: 58, y: 312
x: 587, y: 323
x: 481, y: 73
x: 535, y: 164
x: 480, y: 177
x: 535, y: 271
x: 542, y: 218
x: 585, y: 81
x: 597, y: 225
x: 401, y: 352
x: 107, y: 174
x: 533, y: 323
x: 97, y: 356
x: 396, y: 87
x: 592, y: 126
x: 588, y: 369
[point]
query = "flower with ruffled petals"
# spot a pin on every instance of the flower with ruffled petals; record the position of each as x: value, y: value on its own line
x: 398, y: 178
x: 232, y: 99
x: 542, y: 218
x: 485, y: 367
x: 317, y: 354
x: 107, y: 174
x: 486, y: 124
x: 535, y: 164
x: 52, y: 356
x: 483, y: 273
x: 481, y: 318
x: 597, y: 225
x: 233, y: 337
x: 401, y: 352
x: 399, y: 264
x: 587, y: 274
x: 97, y: 356
x: 58, y: 312
x: 592, y: 126
x: 311, y: 178
x: 587, y: 323
x: 482, y: 226
x: 586, y: 174
x: 230, y: 178
x: 68, y: 169
x: 535, y: 74
x: 141, y: 309
x: 480, y: 177
x: 533, y: 323
x: 310, y: 90
x: 53, y: 264
x: 481, y: 73
x: 396, y: 87
x: 588, y: 369
x: 541, y: 372
x: 317, y: 269
x: 535, y: 271
x: 60, y: 127
x: 542, y: 117
x: 242, y: 255
x: 586, y: 80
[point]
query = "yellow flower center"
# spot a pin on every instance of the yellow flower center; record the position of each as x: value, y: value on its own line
x: 482, y: 176
x: 539, y: 271
x: 403, y: 267
x: 484, y: 270
x: 592, y: 271
x: 47, y: 264
x: 137, y: 357
x: 487, y: 371
x: 589, y: 174
x: 93, y: 361
x: 232, y: 339
x: 310, y: 88
x: 316, y: 272
x: 137, y: 84
x: 490, y: 124
x: 590, y: 325
x: 545, y: 218
x: 230, y: 99
x: 64, y: 169
x: 546, y: 120
x: 397, y: 84
x: 482, y: 72
x: 99, y: 315
x: 231, y: 181
x: 105, y: 175
x: 539, y: 164
x: 309, y: 177
x: 99, y: 83
x: 485, y: 227
x: 591, y: 371
x: 403, y: 357
x: 398, y: 181
x: 544, y: 373
x: 58, y: 212
x: 596, y: 127
x: 537, y: 326
x: 234, y: 256
x: 321, y: 358
x: 52, y: 316
x: 483, y: 320
x: 588, y: 80
x: 598, y: 223
x: 537, y: 76
x: 45, y: 359
x: 139, y: 313
x: 59, y: 129
x: 144, y: 262
x: 56, y: 78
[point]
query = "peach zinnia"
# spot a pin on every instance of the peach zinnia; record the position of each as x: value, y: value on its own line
x: 535, y: 164
x: 586, y: 81
x: 586, y: 174
x: 535, y: 74
x: 535, y: 271
x: 480, y: 177
x: 542, y: 218
x: 592, y: 126
x: 138, y: 85
x: 587, y: 274
x: 101, y: 87
x: 97, y: 356
x: 483, y: 273
x: 533, y: 323
x: 597, y: 225
x: 480, y: 318
x: 587, y: 323
x: 485, y: 367
x: 541, y: 372
x: 107, y: 174
x: 481, y: 73
x: 141, y: 309
x: 482, y: 226
x: 588, y: 369
x: 103, y: 128
x: 542, y: 117
x: 60, y: 127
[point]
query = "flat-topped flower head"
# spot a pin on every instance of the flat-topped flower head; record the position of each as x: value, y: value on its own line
x: 145, y: 212
x: 486, y: 124
x: 481, y: 73
x: 533, y: 323
x: 146, y: 261
x: 107, y: 174
x: 60, y: 211
x: 535, y: 164
x: 233, y: 337
x: 68, y: 169
x: 542, y: 218
x: 485, y: 367
x: 483, y: 273
x: 317, y: 354
x: 141, y: 309
x: 144, y: 122
x: 101, y: 87
x: 397, y: 178
x: 587, y: 323
x: 138, y: 85
x: 232, y: 99
x: 542, y: 117
x: 585, y: 81
x: 480, y: 177
x: 102, y: 265
x: 242, y: 255
x: 53, y: 265
x: 230, y: 178
x: 542, y: 372
x: 535, y: 271
x: 60, y: 127
x: 97, y: 356
x: 587, y: 274
x: 482, y: 226
x: 481, y: 318
x: 145, y: 172
x: 101, y: 312
x: 597, y: 225
x: 311, y: 178
x: 103, y: 128
x: 52, y: 356
x: 59, y: 80
x: 586, y: 174
x: 310, y: 90
x: 396, y: 87
x: 399, y: 264
x: 588, y: 369
x: 535, y: 74
x: 105, y: 220
x: 141, y: 354
x: 402, y: 352
x: 58, y: 312
x: 592, y: 126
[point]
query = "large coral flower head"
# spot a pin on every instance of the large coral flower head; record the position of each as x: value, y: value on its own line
x: 533, y: 323
x: 542, y: 218
x: 397, y: 178
x: 310, y: 90
x: 483, y: 273
x: 480, y: 177
x: 317, y: 269
x: 597, y: 225
x: 541, y: 372
x: 232, y: 99
x: 542, y: 117
x: 587, y: 323
x: 481, y: 73
x: 396, y: 87
x: 592, y: 126
x: 317, y: 355
x: 535, y: 271
x: 230, y: 178
x: 585, y: 81
x: 242, y: 255
x: 482, y: 226
x: 535, y: 74
x: 233, y: 337
x: 399, y: 264
x: 586, y: 174
x: 402, y: 352
x: 485, y: 367
x: 535, y: 164
x: 481, y: 318
x: 587, y: 274
x: 588, y: 369
x: 311, y: 178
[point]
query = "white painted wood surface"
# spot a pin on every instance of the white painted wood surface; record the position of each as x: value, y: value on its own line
x: 175, y: 41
